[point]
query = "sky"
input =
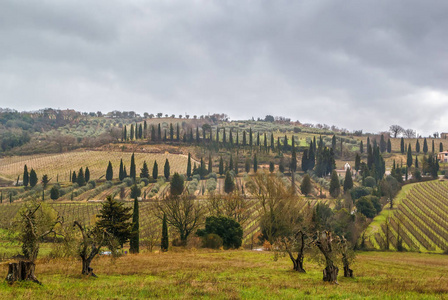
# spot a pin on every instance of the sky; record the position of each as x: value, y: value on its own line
x: 355, y: 64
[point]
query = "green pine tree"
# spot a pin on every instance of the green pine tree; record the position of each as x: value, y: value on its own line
x: 114, y: 218
x: 417, y: 146
x: 144, y: 170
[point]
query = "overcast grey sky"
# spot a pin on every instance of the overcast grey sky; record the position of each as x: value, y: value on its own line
x: 355, y: 64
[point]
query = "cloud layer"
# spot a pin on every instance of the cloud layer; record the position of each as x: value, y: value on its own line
x: 355, y: 64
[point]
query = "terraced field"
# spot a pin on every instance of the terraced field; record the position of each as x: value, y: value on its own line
x: 420, y: 220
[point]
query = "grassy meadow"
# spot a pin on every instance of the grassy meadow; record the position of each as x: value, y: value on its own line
x: 238, y: 274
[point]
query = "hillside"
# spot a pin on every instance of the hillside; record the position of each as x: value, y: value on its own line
x: 419, y: 220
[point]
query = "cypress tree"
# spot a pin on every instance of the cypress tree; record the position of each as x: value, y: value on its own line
x: 389, y: 146
x: 144, y: 171
x: 417, y: 147
x: 357, y: 162
x: 191, y: 139
x: 305, y: 186
x: 125, y: 174
x: 224, y: 138
x: 285, y: 144
x: 164, y: 135
x: 311, y: 156
x: 132, y: 132
x: 244, y: 138
x: 258, y: 139
x: 279, y: 147
x: 409, y: 156
x: 305, y: 160
x: 229, y: 185
x: 33, y: 178
x: 425, y: 146
x: 433, y: 147
x: 348, y: 182
x: 361, y: 147
x: 121, y: 172
x: 293, y: 166
x: 177, y: 185
x: 231, y: 138
x: 250, y: 137
x: 247, y: 165
x: 164, y: 244
x: 255, y: 163
x: 416, y: 162
x: 237, y: 139
x: 210, y: 164
x: 402, y: 146
x: 177, y: 132
x: 265, y: 142
x: 132, y: 171
x: 159, y: 132
x: 125, y: 134
x: 140, y: 131
x: 109, y: 172
x: 155, y: 170
x: 440, y: 147
x: 153, y: 134
x: 189, y: 165
x: 26, y: 177
x: 272, y: 142
x: 54, y: 193
x: 231, y: 163
x: 80, y: 178
x: 134, y: 242
x: 171, y: 132
x: 145, y: 130
x: 271, y: 167
x: 333, y: 142
x: 74, y: 177
x: 383, y: 145
x: 87, y: 175
x: 281, y: 165
x: 217, y: 135
x: 221, y: 166
x: 334, y: 184
x: 197, y: 135
x: 166, y: 169
x: 235, y: 167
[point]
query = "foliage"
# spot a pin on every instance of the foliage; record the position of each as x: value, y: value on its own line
x: 227, y: 228
x: 114, y: 218
x: 177, y: 184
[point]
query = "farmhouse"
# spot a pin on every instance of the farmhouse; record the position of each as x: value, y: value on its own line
x: 443, y: 156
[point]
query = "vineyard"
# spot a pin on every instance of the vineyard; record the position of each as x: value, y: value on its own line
x: 419, y: 223
x: 58, y: 166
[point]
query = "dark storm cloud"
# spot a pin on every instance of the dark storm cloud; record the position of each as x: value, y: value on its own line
x: 355, y: 64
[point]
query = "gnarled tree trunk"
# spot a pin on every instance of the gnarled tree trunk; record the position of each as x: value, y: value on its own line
x: 330, y: 272
x: 23, y: 270
x: 86, y: 269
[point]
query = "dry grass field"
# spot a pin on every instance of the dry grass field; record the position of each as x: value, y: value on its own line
x: 239, y: 274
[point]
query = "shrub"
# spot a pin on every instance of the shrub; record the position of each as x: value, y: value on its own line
x: 227, y: 228
x: 359, y: 191
x: 369, y: 181
x: 212, y: 241
x: 364, y: 205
